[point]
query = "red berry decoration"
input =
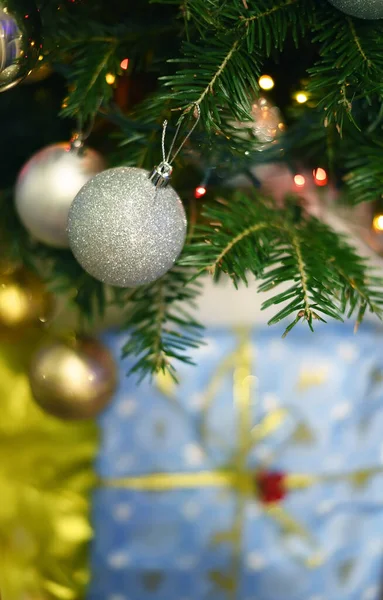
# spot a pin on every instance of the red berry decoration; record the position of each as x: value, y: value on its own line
x: 270, y: 486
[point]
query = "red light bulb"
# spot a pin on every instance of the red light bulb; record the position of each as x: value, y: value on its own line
x: 199, y: 191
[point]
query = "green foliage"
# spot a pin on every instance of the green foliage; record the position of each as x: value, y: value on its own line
x: 91, y: 69
x: 365, y: 174
x: 350, y: 65
x: 326, y: 276
x: 160, y: 326
x: 226, y: 71
x: 210, y: 53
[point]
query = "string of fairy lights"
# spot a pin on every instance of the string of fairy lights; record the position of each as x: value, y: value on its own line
x: 263, y: 111
x: 319, y: 174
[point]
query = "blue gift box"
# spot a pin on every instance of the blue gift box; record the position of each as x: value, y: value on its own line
x: 181, y: 515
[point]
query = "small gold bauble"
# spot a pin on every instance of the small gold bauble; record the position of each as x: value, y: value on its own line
x: 24, y: 301
x: 73, y: 380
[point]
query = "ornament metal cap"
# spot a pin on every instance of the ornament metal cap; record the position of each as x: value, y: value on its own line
x: 76, y: 143
x: 160, y: 176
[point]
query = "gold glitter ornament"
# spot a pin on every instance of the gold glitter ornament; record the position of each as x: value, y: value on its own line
x: 73, y: 379
x: 20, y: 31
x: 363, y: 9
x: 24, y: 302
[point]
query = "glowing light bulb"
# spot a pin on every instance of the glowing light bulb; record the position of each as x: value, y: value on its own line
x: 301, y: 97
x: 299, y: 181
x: 199, y: 191
x: 266, y: 82
x: 320, y: 176
x: 110, y: 78
x: 377, y: 223
x: 124, y: 64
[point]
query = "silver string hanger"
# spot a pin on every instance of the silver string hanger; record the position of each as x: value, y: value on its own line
x: 161, y: 174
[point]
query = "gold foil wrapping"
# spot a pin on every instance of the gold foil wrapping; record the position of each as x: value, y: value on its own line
x: 46, y: 475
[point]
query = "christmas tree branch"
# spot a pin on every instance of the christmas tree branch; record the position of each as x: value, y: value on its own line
x: 345, y: 70
x: 248, y: 231
x: 296, y: 244
x: 326, y: 274
x: 357, y: 41
x: 269, y: 12
x: 210, y: 86
x: 160, y: 329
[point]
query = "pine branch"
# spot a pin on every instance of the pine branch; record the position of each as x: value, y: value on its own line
x: 326, y: 276
x: 229, y: 241
x: 160, y: 328
x: 221, y: 72
x: 303, y: 276
x: 219, y: 75
x: 89, y: 79
x: 365, y: 170
x: 351, y: 64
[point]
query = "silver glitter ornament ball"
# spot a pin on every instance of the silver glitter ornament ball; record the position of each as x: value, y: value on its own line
x: 47, y: 185
x: 20, y: 30
x: 364, y: 9
x: 123, y: 230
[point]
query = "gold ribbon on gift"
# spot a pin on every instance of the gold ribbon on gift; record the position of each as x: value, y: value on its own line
x: 46, y: 475
x: 238, y: 477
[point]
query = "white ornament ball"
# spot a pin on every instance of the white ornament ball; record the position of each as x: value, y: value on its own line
x: 47, y: 185
x: 363, y: 9
x: 124, y: 231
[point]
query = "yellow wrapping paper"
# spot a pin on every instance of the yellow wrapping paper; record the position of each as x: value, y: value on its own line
x: 46, y: 475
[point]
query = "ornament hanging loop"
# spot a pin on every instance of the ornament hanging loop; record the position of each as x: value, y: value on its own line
x: 80, y: 135
x: 160, y: 176
x: 83, y: 132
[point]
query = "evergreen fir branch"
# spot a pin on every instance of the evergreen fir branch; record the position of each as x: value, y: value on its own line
x: 296, y: 261
x: 222, y: 72
x: 266, y: 23
x: 89, y: 79
x: 269, y: 24
x: 350, y: 65
x: 219, y: 75
x: 326, y: 277
x: 140, y: 133
x: 231, y: 244
x: 303, y: 277
x: 365, y: 171
x: 360, y: 288
x: 160, y: 328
